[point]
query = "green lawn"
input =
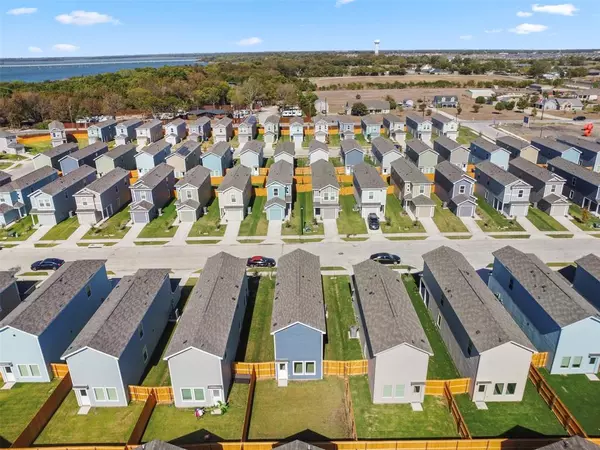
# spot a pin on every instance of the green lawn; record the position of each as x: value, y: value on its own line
x: 349, y: 221
x: 18, y: 406
x: 5, y: 165
x: 179, y: 426
x: 543, y: 221
x: 18, y: 231
x: 209, y: 224
x: 397, y: 219
x: 334, y: 140
x: 256, y: 343
x: 113, y: 228
x: 99, y: 426
x: 302, y: 162
x: 581, y: 396
x: 316, y: 405
x: 303, y: 200
x: 577, y: 213
x: 398, y: 421
x: 255, y: 224
x: 360, y: 138
x: 337, y: 162
x: 466, y: 136
x: 62, y: 230
x: 530, y: 418
x: 38, y: 147
x: 269, y: 162
x: 338, y: 301
x: 446, y: 220
x: 162, y: 226
x: 492, y: 220
x: 441, y: 366
x: 11, y: 158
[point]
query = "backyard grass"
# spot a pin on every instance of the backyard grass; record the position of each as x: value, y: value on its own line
x: 61, y: 231
x: 543, y: 221
x: 113, y: 228
x: 179, y: 426
x: 446, y: 220
x: 337, y: 162
x: 530, y: 418
x: 269, y: 162
x: 492, y: 220
x: 301, y: 409
x: 398, y: 421
x: 349, y: 221
x: 441, y: 366
x: 12, y: 158
x: 466, y: 136
x: 577, y: 213
x: 334, y: 140
x: 99, y: 426
x: 340, y: 317
x: 33, y: 274
x: 18, y: 231
x: 5, y: 165
x: 18, y: 406
x: 303, y: 200
x: 325, y: 268
x: 209, y: 224
x: 397, y: 219
x: 38, y: 147
x: 161, y: 226
x: 255, y: 224
x: 256, y: 342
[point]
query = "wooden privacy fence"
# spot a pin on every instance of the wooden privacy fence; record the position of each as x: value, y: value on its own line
x: 249, y: 404
x: 539, y: 359
x: 347, y: 190
x: 59, y: 370
x: 162, y: 394
x: 457, y: 386
x: 345, y: 368
x: 263, y: 171
x: 564, y: 416
x: 260, y: 192
x: 461, y: 425
x: 302, y: 171
x: 303, y: 187
x: 349, y: 408
x: 303, y: 179
x: 263, y: 370
x: 140, y: 426
x: 258, y: 179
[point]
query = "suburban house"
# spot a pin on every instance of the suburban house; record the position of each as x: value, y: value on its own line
x: 346, y: 127
x: 125, y: 131
x: 483, y: 150
x: 317, y: 150
x: 326, y: 190
x: 582, y: 185
x: 175, y: 131
x: 200, y: 129
x: 452, y: 151
x: 58, y: 134
x: 9, y: 144
x: 279, y: 190
x: 55, y: 202
x: 297, y: 131
x: 321, y: 132
x: 38, y: 331
x: 298, y: 319
x: 321, y: 106
x: 418, y: 126
x: 501, y: 189
x: 445, y: 101
x: 150, y: 193
x: 194, y: 192
x: 9, y: 293
x: 559, y: 104
x: 546, y: 187
x: 223, y: 130
x: 5, y: 178
x: 588, y: 95
x: 384, y: 152
x: 285, y: 151
x: 122, y: 156
x: 413, y: 188
x: 113, y: 349
x: 185, y: 158
x: 235, y: 193
x: 102, y: 131
x: 445, y: 126
x: 247, y: 130
x: 271, y: 129
x: 370, y: 191
x: 352, y: 154
x: 484, y: 342
x: 204, y: 344
x: 455, y: 189
x: 371, y: 127
x: 391, y: 336
x: 550, y: 149
x: 395, y: 128
x: 550, y: 312
x: 377, y: 106
x: 103, y: 197
x: 149, y: 132
x: 590, y: 151
x: 14, y: 196
x: 85, y: 157
x: 485, y: 93
x: 587, y: 278
x: 218, y: 159
x: 151, y: 156
x: 252, y: 155
x: 52, y: 157
x: 421, y: 155
x: 518, y: 148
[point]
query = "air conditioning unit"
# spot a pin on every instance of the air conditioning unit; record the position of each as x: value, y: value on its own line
x: 353, y: 332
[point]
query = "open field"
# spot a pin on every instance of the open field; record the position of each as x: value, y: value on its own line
x: 551, y: 129
x: 328, y: 81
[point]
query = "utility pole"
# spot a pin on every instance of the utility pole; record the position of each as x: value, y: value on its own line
x: 302, y: 220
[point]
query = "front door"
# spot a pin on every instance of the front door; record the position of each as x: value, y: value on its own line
x: 217, y: 395
x: 84, y: 399
x: 479, y: 394
x: 10, y: 376
x: 282, y: 370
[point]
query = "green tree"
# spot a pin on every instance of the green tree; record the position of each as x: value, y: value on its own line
x: 523, y: 103
x: 422, y: 108
x: 539, y: 67
x: 476, y: 108
x: 393, y: 104
x: 359, y: 109
x: 500, y: 106
x: 480, y: 100
x: 459, y: 110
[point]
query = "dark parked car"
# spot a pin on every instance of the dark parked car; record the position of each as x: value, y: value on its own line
x: 373, y: 221
x: 260, y: 261
x: 47, y: 264
x: 579, y: 118
x: 385, y: 258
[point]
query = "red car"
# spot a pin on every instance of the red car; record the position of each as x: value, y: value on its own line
x: 260, y: 261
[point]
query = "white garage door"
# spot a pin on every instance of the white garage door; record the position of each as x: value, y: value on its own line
x: 187, y: 216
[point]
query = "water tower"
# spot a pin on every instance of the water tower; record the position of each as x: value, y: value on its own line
x: 377, y: 42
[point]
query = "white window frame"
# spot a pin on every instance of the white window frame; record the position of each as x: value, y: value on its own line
x: 306, y: 372
x: 383, y: 391
x: 396, y: 391
x: 520, y: 193
x: 276, y: 192
x: 104, y: 390
x: 462, y: 189
x: 192, y: 389
x: 232, y: 198
x: 294, y: 368
x: 188, y: 194
x: 141, y: 330
x: 438, y: 321
x: 371, y: 195
x: 145, y: 354
x: 568, y: 363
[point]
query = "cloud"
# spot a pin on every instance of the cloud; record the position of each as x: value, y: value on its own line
x: 466, y: 37
x: 566, y: 9
x: 21, y: 11
x: 65, y: 47
x: 84, y: 18
x: 339, y: 3
x: 249, y: 41
x: 494, y: 31
x: 34, y: 49
x: 524, y: 14
x: 528, y: 28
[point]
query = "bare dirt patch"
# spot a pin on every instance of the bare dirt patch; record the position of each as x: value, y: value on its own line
x: 549, y: 130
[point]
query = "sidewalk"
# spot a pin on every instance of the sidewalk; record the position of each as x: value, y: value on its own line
x: 430, y: 227
x: 183, y: 229
x: 131, y: 235
x: 473, y: 228
x: 274, y: 232
x: 35, y: 237
x: 331, y: 231
x: 531, y: 229
x: 578, y: 233
x: 231, y: 233
x: 76, y: 236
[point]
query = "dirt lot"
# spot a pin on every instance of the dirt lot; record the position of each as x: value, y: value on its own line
x: 327, y: 81
x: 550, y: 130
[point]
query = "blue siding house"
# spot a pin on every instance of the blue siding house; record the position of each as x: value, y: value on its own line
x: 552, y: 314
x: 549, y: 149
x: 218, y: 159
x: 38, y: 331
x: 85, y: 157
x: 298, y: 321
x: 151, y: 156
x: 483, y: 150
x: 279, y: 190
x: 587, y: 278
x: 352, y: 154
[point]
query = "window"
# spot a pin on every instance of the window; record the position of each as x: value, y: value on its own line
x: 143, y: 195
x: 186, y: 395
x: 145, y: 354
x: 481, y: 388
x: 592, y: 361
x: 438, y: 322
x: 387, y: 391
x: 188, y: 194
x: 371, y: 195
x: 99, y: 394
x: 571, y: 194
x: 417, y: 389
x: 511, y: 283
x: 421, y: 189
x: 470, y: 348
x: 23, y: 370
x: 199, y: 394
x: 553, y: 188
x: 310, y: 368
x: 141, y: 330
x: 399, y: 393
x: 573, y: 181
x: 35, y: 370
x: 233, y: 198
x: 498, y: 388
x: 511, y: 388
x: 577, y: 362
x: 298, y: 368
x: 565, y: 362
x: 520, y: 193
x: 325, y: 196
x: 462, y: 189
x: 88, y: 290
x: 276, y: 192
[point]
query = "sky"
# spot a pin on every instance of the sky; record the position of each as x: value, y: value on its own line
x: 51, y: 28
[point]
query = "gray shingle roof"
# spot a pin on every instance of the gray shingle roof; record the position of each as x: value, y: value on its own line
x: 552, y: 144
x: 377, y: 104
x: 105, y: 124
x: 298, y: 120
x: 274, y: 118
x: 130, y: 122
x: 450, y: 171
x: 300, y: 445
x: 155, y: 176
x: 298, y: 292
x: 88, y: 151
x: 422, y: 200
x: 591, y: 264
x: 225, y: 121
x: 237, y: 177
x: 447, y: 143
x: 483, y: 317
x: 142, y: 205
x: 155, y: 148
x: 196, y: 177
x: 207, y: 318
x: 551, y: 199
x: 177, y: 122
x: 384, y: 146
x: 486, y: 145
x: 281, y: 172
x: 186, y: 149
x: 4, y: 134
x: 442, y: 118
x: 317, y: 145
x: 5, y: 176
x: 55, y: 124
x: 7, y: 278
x: 323, y: 174
x: 253, y: 146
x: 61, y: 150
x: 199, y: 122
x: 407, y: 171
x: 579, y: 143
x: 513, y: 142
x: 392, y: 118
x: 418, y: 146
x: 350, y: 144
x: 417, y: 117
x: 112, y: 326
x: 537, y: 172
x: 219, y: 149
x: 572, y: 443
x: 574, y: 170
x: 462, y: 198
x: 275, y: 201
x: 29, y: 179
x: 41, y: 308
x: 103, y: 184
x: 367, y: 177
x: 60, y: 184
x: 560, y: 301
x: 370, y: 120
x: 497, y: 173
x: 285, y: 147
x: 389, y: 316
x: 119, y: 151
x: 150, y: 124
x: 158, y: 445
